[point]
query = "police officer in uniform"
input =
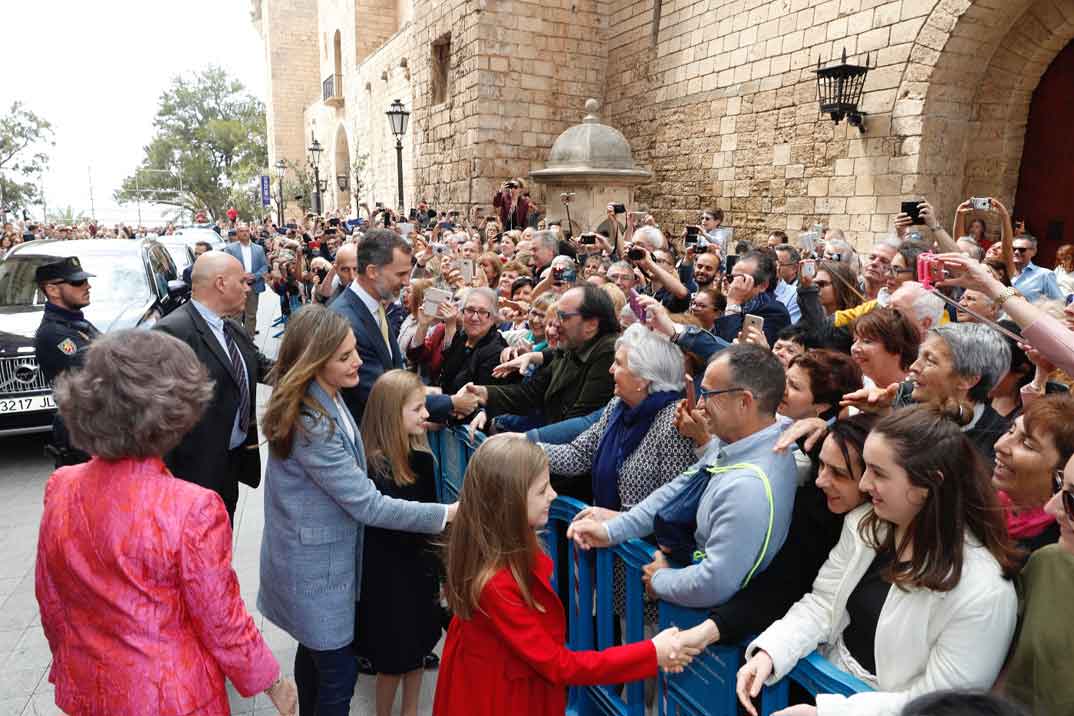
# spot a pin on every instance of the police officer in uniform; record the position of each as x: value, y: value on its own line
x: 63, y: 336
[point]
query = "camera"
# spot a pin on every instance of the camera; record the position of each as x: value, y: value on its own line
x: 618, y: 209
x: 567, y: 275
x: 333, y: 222
x: 929, y: 270
x: 512, y: 184
x: 440, y: 249
x: 636, y: 254
x: 981, y: 203
x: 837, y: 258
x: 587, y: 238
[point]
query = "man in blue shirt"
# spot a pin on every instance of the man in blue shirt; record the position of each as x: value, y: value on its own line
x: 787, y: 288
x: 1032, y: 281
x: 744, y: 512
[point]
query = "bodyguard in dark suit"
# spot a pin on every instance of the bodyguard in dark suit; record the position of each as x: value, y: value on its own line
x: 383, y: 269
x: 221, y: 450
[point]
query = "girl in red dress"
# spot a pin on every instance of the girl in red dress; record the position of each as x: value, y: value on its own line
x: 505, y: 651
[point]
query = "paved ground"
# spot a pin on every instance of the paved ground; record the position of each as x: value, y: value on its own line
x: 24, y: 653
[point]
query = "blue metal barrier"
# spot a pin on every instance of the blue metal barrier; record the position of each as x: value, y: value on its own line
x: 705, y: 688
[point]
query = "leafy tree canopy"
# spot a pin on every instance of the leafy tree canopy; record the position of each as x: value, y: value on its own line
x: 23, y: 139
x: 210, y: 136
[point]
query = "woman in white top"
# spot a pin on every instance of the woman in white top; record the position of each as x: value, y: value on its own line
x: 916, y: 596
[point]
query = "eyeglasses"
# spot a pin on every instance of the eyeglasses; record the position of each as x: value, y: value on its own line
x: 702, y: 394
x: 472, y: 312
x: 564, y: 315
x: 1020, y: 249
x: 1067, y: 495
x: 77, y: 284
x: 895, y: 271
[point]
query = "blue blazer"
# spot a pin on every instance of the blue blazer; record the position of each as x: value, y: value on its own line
x: 317, y: 503
x: 258, y: 262
x: 376, y: 358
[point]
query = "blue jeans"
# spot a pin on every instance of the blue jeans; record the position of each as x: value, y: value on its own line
x: 325, y: 680
x: 565, y: 430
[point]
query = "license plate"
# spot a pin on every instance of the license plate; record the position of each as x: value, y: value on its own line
x: 26, y: 405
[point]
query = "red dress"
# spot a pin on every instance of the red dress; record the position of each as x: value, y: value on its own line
x: 139, y: 602
x: 511, y: 659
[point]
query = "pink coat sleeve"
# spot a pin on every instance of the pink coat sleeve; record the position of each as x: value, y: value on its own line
x: 48, y: 599
x: 210, y: 591
x: 1054, y: 340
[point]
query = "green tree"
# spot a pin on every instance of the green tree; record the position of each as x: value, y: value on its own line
x: 358, y: 169
x: 297, y: 186
x: 23, y: 139
x: 208, y: 150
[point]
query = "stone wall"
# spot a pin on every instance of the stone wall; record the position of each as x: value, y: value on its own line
x: 717, y: 97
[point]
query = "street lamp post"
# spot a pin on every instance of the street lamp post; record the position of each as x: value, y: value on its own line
x: 281, y: 169
x: 315, y: 154
x: 398, y: 117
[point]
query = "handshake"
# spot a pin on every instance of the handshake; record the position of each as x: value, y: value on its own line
x: 468, y: 399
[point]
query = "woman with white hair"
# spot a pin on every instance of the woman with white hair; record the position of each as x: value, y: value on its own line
x: 634, y: 447
x: 957, y: 366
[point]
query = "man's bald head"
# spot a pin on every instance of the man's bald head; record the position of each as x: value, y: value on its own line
x: 218, y: 281
x: 346, y: 263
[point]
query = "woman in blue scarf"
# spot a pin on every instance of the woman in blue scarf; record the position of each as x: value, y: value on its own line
x: 633, y: 448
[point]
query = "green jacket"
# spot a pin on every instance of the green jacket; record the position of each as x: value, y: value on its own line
x: 575, y: 384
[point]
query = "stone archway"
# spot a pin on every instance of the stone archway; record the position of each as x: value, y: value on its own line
x: 964, y: 99
x: 342, y: 165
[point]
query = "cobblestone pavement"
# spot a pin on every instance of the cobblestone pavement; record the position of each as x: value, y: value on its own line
x: 24, y: 652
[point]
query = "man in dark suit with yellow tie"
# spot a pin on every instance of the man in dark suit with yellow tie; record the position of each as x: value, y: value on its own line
x: 383, y: 269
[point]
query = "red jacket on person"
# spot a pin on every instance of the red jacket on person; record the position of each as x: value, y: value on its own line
x: 139, y: 602
x: 511, y: 659
x: 508, y: 219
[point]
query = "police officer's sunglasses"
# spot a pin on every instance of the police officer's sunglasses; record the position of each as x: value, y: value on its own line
x: 77, y: 284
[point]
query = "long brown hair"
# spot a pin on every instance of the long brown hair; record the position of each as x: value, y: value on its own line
x: 491, y: 529
x: 844, y: 283
x: 387, y: 445
x: 313, y: 336
x: 938, y: 457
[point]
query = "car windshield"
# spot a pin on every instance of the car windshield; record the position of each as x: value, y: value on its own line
x: 118, y: 279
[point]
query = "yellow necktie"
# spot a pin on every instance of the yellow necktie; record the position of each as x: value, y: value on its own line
x: 382, y: 319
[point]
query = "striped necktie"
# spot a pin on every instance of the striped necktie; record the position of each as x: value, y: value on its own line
x: 239, y: 369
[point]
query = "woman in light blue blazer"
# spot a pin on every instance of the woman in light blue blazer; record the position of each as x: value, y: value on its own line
x: 318, y: 499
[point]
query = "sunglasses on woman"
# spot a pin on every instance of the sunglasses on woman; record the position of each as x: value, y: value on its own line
x: 1067, y: 496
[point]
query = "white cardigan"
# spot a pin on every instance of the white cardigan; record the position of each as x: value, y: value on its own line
x: 926, y: 640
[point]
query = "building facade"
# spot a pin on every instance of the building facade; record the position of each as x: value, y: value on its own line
x: 717, y: 98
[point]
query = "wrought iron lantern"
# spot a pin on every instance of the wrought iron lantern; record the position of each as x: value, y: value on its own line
x: 398, y: 116
x: 839, y: 89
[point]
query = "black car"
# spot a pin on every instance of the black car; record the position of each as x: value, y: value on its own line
x: 135, y: 284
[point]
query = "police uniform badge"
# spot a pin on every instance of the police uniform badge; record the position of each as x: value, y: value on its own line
x: 68, y: 347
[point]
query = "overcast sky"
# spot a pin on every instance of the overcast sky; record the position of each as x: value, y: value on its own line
x: 96, y: 70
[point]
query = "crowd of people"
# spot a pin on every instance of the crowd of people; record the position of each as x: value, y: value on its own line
x: 867, y: 451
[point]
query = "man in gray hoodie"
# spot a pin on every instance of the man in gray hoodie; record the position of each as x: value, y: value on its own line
x: 745, y: 510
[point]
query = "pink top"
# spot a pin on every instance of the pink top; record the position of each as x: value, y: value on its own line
x: 139, y: 602
x: 1054, y: 340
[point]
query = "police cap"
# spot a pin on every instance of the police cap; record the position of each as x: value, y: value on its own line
x: 67, y: 269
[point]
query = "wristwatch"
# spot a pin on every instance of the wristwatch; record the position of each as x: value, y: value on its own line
x: 1007, y: 293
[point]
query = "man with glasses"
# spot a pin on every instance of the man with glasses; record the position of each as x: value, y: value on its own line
x: 1032, y: 281
x: 876, y: 266
x: 63, y: 336
x: 787, y: 258
x: 744, y: 511
x: 579, y: 380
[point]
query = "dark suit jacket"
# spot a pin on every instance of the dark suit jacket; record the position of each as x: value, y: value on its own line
x: 376, y: 359
x: 203, y: 456
x: 765, y: 305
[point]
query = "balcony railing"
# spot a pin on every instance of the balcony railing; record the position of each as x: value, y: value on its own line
x: 332, y: 90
